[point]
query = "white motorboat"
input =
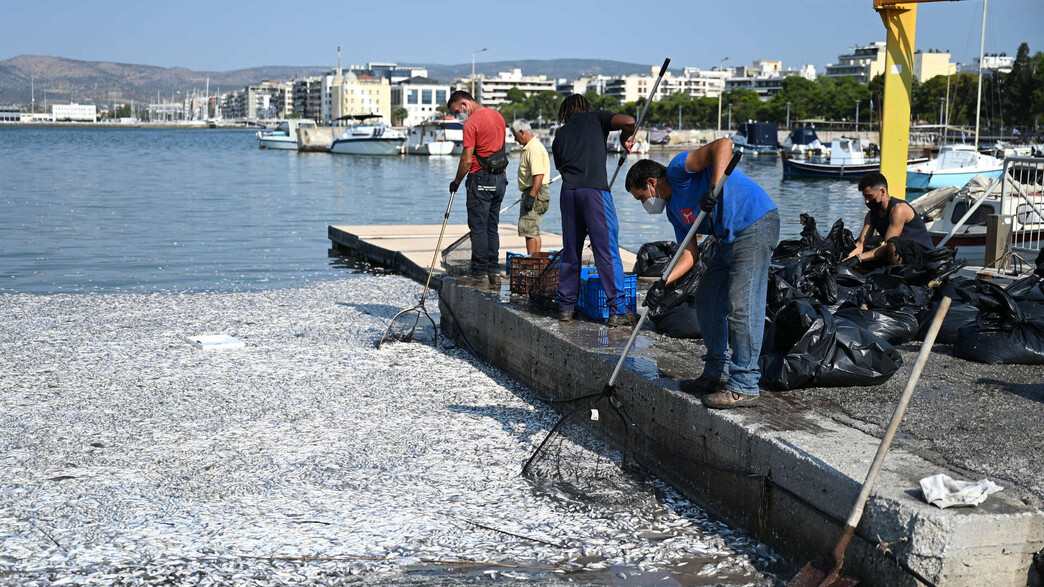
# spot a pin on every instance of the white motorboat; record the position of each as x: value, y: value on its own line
x: 612, y: 143
x: 284, y: 137
x: 957, y: 216
x: 368, y: 136
x: 955, y: 166
x: 429, y: 137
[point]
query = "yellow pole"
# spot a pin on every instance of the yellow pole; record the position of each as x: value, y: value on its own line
x: 900, y: 22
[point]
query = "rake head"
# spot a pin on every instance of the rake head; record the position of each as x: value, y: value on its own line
x: 404, y: 325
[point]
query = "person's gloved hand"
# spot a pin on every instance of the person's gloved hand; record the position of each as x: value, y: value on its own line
x: 527, y: 203
x: 453, y: 187
x: 708, y: 201
x: 654, y: 297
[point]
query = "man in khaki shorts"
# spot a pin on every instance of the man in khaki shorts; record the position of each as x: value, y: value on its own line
x: 533, y: 171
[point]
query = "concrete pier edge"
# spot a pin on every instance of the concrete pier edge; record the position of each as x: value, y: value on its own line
x: 818, y: 460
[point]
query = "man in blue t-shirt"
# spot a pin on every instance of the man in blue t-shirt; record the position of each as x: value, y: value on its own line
x: 731, y: 298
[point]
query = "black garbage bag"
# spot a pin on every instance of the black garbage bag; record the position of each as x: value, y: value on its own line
x: 936, y: 264
x: 780, y: 294
x: 893, y: 326
x: 882, y: 290
x: 684, y: 289
x: 1027, y: 288
x: 805, y: 346
x: 654, y: 257
x: 960, y: 314
x: 1003, y: 334
x: 837, y: 244
x: 814, y: 277
x: 679, y: 322
x: 789, y: 251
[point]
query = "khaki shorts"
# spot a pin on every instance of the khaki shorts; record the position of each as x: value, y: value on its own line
x: 529, y: 222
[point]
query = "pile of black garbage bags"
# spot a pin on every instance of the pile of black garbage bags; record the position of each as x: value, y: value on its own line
x: 829, y: 326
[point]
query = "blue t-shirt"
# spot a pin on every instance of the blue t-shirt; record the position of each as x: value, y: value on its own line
x: 741, y: 203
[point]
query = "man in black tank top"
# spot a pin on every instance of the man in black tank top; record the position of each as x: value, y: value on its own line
x: 891, y: 218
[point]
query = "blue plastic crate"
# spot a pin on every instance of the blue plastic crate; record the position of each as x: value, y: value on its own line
x: 592, y: 297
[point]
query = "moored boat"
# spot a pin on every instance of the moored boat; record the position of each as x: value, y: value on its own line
x: 429, y: 137
x: 368, y: 138
x: 956, y: 165
x: 847, y: 161
x: 284, y: 137
x: 756, y: 138
x: 957, y: 216
x: 802, y: 141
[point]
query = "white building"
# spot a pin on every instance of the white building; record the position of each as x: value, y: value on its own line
x: 863, y: 63
x: 420, y: 96
x: 583, y: 85
x: 766, y: 77
x: 693, y: 82
x: 74, y: 112
x: 997, y: 62
x: 492, y: 91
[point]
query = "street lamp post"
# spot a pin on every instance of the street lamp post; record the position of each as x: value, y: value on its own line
x: 730, y: 115
x: 720, y: 92
x: 941, y: 99
x: 679, y: 116
x: 788, y: 115
x: 857, y: 115
x: 473, y: 53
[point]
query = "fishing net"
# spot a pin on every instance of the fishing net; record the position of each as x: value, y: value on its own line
x: 456, y: 257
x: 572, y: 460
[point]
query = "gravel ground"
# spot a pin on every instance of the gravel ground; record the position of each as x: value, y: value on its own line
x: 128, y: 456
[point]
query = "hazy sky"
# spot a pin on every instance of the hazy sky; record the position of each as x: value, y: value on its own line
x: 219, y: 36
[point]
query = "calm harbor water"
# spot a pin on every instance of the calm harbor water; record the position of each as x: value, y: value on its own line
x: 107, y: 210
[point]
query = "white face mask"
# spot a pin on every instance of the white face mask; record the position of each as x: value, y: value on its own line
x: 654, y: 205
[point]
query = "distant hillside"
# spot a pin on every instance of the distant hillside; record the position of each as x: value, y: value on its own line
x: 102, y: 82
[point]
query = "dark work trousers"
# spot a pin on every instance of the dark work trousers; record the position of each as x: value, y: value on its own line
x: 485, y: 194
x: 590, y: 212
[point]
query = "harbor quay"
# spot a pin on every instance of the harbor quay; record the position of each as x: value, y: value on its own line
x: 789, y: 470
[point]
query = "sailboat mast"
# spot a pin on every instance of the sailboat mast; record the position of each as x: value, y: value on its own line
x: 978, y: 103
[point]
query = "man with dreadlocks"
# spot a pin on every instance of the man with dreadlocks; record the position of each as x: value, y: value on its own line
x: 732, y: 291
x: 587, y: 206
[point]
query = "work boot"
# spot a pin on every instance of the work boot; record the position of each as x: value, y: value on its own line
x: 567, y: 315
x: 726, y: 399
x: 494, y: 279
x: 701, y: 386
x: 627, y: 319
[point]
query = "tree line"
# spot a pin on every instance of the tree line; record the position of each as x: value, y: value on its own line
x: 1009, y: 101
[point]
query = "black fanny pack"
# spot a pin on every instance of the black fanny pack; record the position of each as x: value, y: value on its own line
x: 495, y: 163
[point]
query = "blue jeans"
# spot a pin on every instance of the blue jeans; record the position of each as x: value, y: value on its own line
x: 731, y: 305
x: 485, y: 194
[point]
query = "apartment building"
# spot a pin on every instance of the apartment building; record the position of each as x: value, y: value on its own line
x: 492, y: 91
x: 308, y: 97
x: 347, y: 94
x: 766, y: 77
x: 420, y: 96
x: 928, y: 64
x: 862, y: 63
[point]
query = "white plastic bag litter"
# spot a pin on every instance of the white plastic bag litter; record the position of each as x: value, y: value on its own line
x: 945, y: 492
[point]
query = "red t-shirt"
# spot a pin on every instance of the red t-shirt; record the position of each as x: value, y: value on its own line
x: 484, y: 130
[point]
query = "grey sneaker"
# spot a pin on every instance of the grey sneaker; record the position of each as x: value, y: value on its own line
x: 726, y: 399
x: 701, y: 386
x: 494, y: 279
x: 567, y: 315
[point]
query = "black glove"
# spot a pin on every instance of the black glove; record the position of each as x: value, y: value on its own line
x: 654, y: 297
x: 708, y: 201
x: 527, y: 203
x: 453, y: 187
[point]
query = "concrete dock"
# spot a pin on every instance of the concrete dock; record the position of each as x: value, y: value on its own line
x: 408, y: 248
x: 790, y: 469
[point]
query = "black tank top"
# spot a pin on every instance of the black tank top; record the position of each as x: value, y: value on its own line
x: 914, y: 230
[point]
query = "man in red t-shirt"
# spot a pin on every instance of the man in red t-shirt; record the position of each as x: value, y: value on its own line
x: 483, y: 136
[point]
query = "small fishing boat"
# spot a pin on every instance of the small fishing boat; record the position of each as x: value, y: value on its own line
x: 957, y: 216
x: 429, y: 137
x: 368, y: 138
x: 756, y: 138
x: 284, y: 137
x: 956, y: 165
x: 847, y: 161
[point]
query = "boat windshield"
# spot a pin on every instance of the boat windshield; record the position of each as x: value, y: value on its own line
x: 952, y: 159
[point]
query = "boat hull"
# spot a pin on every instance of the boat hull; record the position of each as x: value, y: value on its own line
x: 278, y: 143
x: 807, y: 169
x: 367, y: 146
x: 921, y: 181
x: 431, y: 148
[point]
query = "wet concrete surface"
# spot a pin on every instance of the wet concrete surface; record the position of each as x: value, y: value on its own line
x: 983, y: 420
